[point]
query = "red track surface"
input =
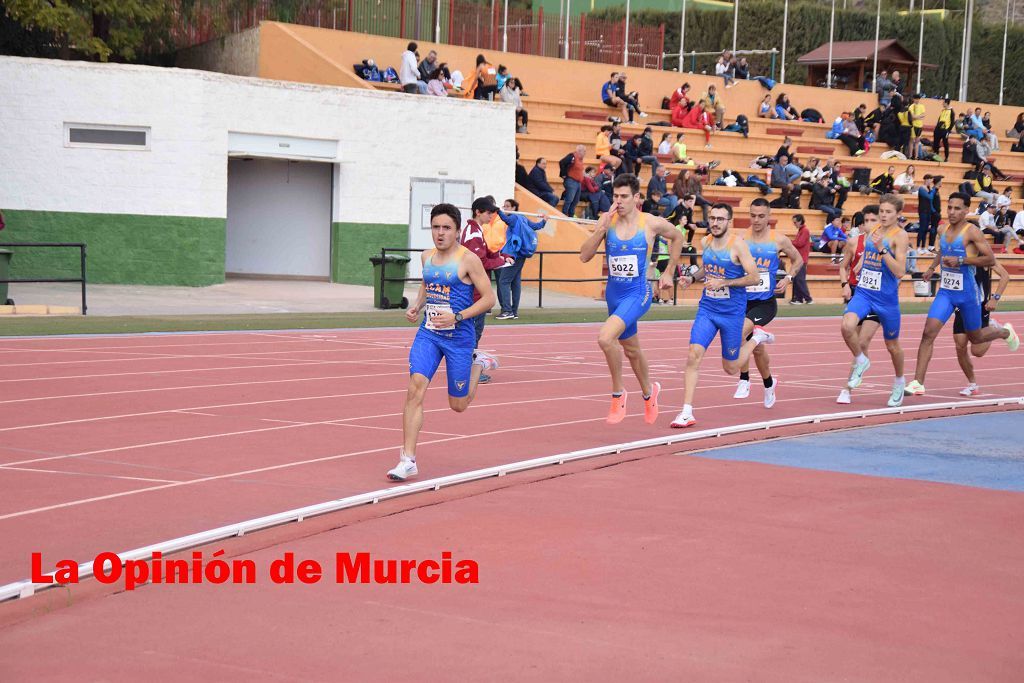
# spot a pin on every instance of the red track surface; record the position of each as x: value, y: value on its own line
x: 110, y: 443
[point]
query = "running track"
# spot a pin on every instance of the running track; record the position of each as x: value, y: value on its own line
x: 111, y: 443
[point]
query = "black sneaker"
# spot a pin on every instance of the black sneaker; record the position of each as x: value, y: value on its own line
x: 505, y: 316
x: 484, y: 379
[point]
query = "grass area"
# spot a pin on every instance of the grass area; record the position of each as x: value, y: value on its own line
x: 29, y: 326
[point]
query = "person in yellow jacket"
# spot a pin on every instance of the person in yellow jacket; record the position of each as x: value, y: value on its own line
x: 603, y: 148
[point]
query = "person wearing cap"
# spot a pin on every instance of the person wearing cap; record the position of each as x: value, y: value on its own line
x: 472, y: 238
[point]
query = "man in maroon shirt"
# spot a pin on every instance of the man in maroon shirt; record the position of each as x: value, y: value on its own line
x: 802, y: 242
x: 472, y: 238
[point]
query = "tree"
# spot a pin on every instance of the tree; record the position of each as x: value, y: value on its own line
x: 98, y: 29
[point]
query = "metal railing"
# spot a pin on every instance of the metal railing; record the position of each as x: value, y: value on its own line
x: 81, y: 279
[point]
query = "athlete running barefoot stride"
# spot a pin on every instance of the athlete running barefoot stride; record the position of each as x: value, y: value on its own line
x: 883, y: 265
x: 727, y: 270
x: 962, y: 249
x: 450, y: 274
x: 628, y: 235
x: 765, y: 245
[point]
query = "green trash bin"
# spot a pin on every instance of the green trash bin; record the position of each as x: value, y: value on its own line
x: 5, y: 273
x: 389, y: 294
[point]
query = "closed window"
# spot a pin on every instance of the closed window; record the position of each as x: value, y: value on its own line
x: 105, y: 136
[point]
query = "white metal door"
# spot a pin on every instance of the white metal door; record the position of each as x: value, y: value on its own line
x: 425, y: 195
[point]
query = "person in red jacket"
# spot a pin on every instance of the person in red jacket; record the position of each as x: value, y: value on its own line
x: 802, y: 242
x: 472, y: 238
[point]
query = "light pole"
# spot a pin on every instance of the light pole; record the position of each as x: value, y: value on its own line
x: 831, y: 34
x: 682, y: 35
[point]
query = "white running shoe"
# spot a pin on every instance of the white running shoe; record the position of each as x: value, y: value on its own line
x: 762, y: 335
x: 844, y: 397
x: 769, y: 393
x: 682, y: 420
x: 1013, y: 341
x: 405, y: 469
x: 742, y: 389
x: 970, y: 390
x: 896, y: 398
x: 857, y: 376
x: 486, y: 360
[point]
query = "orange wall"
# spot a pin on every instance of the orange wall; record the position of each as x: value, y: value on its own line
x: 543, y: 77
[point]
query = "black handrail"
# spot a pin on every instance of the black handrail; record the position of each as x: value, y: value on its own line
x: 74, y: 245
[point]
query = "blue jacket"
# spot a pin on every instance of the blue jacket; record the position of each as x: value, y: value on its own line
x: 521, y: 236
x: 925, y: 198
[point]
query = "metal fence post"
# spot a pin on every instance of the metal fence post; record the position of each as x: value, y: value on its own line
x: 540, y: 282
x: 82, y: 252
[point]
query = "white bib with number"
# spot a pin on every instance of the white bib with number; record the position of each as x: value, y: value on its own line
x: 952, y: 280
x: 722, y: 293
x: 763, y: 286
x: 433, y: 310
x: 870, y: 279
x: 623, y: 266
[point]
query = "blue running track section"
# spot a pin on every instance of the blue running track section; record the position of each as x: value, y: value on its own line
x: 986, y: 451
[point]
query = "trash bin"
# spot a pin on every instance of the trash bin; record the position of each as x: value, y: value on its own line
x: 5, y: 273
x: 923, y: 288
x: 389, y: 294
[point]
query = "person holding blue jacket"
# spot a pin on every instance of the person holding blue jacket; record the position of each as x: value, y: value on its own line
x: 520, y: 244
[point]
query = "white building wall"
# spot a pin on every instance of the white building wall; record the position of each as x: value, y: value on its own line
x: 384, y: 139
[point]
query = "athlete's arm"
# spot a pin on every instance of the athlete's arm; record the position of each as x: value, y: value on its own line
x: 896, y: 258
x: 674, y: 237
x: 985, y: 257
x: 849, y: 249
x: 1004, y: 282
x: 593, y: 243
x: 699, y: 274
x: 478, y: 276
x: 740, y: 252
x: 930, y: 270
x: 795, y: 261
x: 412, y: 314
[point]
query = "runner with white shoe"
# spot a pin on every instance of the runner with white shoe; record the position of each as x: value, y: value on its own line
x: 765, y: 245
x: 451, y: 274
x: 727, y: 270
x: 628, y: 235
x: 849, y: 276
x: 964, y: 347
x: 878, y: 291
x: 962, y: 249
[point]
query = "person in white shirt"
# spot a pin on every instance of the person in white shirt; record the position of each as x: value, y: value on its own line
x: 904, y: 182
x: 1018, y: 228
x: 409, y: 72
x: 1005, y: 234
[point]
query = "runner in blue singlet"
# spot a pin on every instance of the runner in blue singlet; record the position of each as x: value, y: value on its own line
x: 765, y: 245
x: 884, y: 263
x: 727, y: 269
x: 450, y: 274
x: 628, y: 236
x: 962, y: 249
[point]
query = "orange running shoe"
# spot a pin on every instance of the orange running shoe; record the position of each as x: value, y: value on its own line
x: 651, y: 404
x: 617, y: 412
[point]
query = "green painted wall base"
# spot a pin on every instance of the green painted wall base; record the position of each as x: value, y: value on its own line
x: 122, y: 248
x: 352, y: 245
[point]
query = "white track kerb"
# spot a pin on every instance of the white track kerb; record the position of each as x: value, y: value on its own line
x: 24, y: 589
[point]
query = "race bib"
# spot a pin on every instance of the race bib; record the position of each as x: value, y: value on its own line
x: 870, y: 279
x: 623, y: 266
x: 952, y: 280
x: 763, y: 286
x: 433, y: 310
x: 722, y: 293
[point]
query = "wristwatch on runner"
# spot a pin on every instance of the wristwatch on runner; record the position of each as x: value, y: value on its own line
x: 458, y: 317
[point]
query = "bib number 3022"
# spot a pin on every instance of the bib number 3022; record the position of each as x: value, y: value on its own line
x: 623, y: 266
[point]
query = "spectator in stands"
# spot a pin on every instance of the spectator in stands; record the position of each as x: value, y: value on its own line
x: 603, y: 148
x: 943, y: 126
x: 435, y: 83
x: 630, y: 97
x: 408, y: 72
x: 850, y: 135
x: 711, y: 101
x: 897, y: 82
x: 609, y: 95
x: 1018, y: 127
x: 680, y: 95
x: 904, y: 182
x: 783, y: 109
x: 1018, y: 225
x: 679, y: 151
x: 905, y: 130
x: 518, y: 242
x: 833, y: 239
x: 984, y: 153
x: 658, y: 183
x: 833, y: 171
x: 570, y: 168
x: 645, y: 145
x: 884, y: 182
x: 884, y: 87
x: 822, y: 198
x: 917, y: 112
x: 743, y: 73
x: 665, y: 146
x: 925, y: 202
x: 511, y: 91
x: 1019, y: 145
x: 1004, y: 235
x: 725, y: 67
x: 787, y: 142
x: 543, y: 189
x: 687, y: 182
x: 428, y: 66
x: 598, y: 201
x: 802, y: 242
x: 872, y: 122
x: 682, y: 215
x: 979, y: 184
x: 765, y: 110
x: 787, y: 182
x: 486, y: 80
x: 523, y: 178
